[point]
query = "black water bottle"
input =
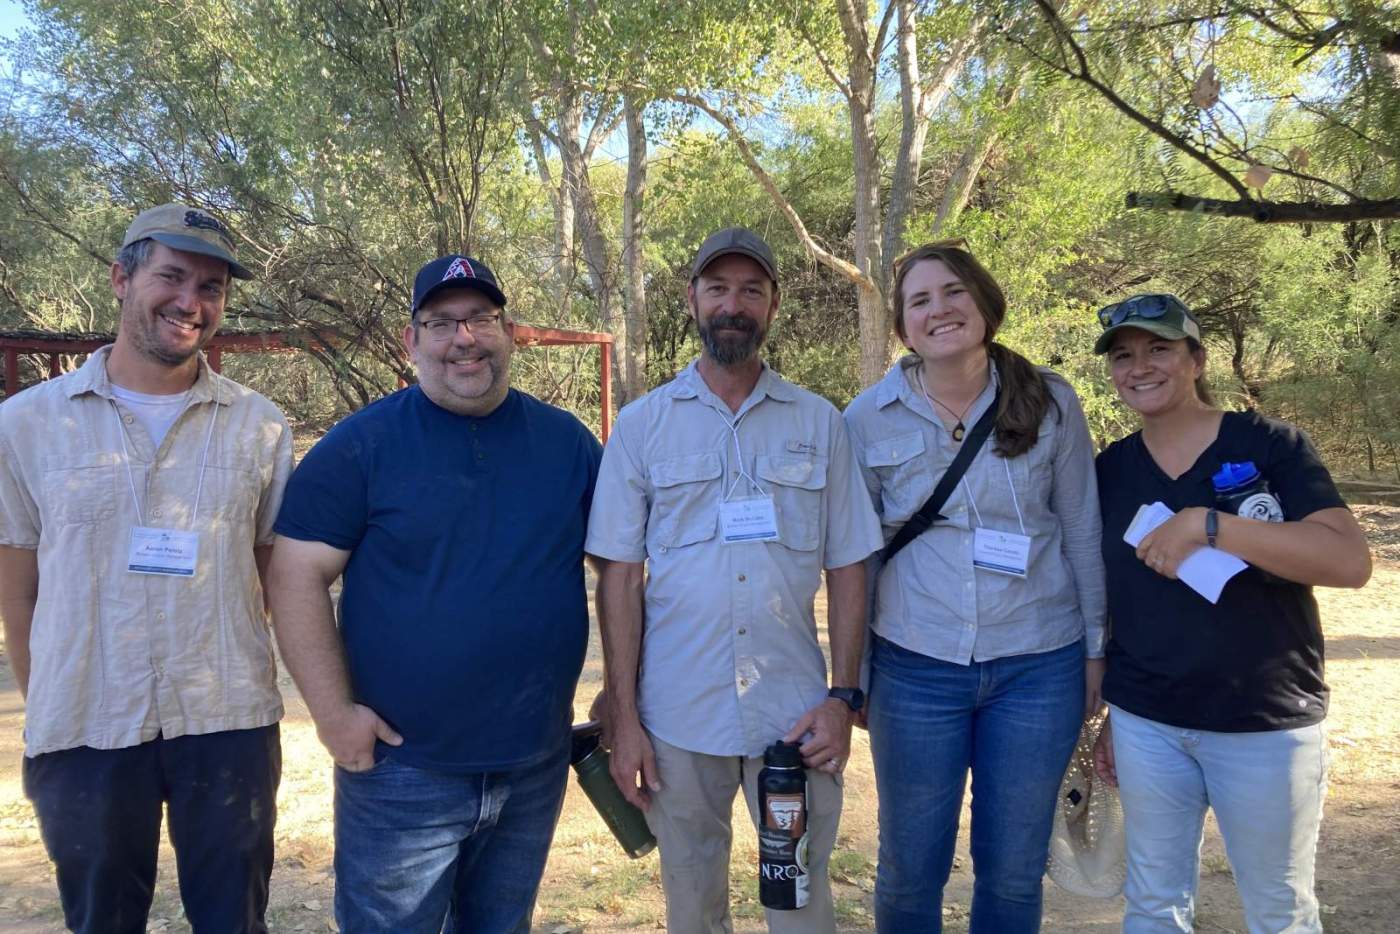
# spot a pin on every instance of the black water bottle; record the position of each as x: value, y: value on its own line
x: 782, y: 828
x: 591, y: 765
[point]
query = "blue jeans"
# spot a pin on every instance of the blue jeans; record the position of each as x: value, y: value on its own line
x: 99, y: 813
x: 1266, y: 789
x: 1014, y: 722
x: 420, y: 851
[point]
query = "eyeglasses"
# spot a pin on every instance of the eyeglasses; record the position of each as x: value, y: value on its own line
x: 444, y: 329
x: 1146, y: 307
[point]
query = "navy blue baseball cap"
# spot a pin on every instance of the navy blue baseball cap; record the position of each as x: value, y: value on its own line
x: 455, y: 271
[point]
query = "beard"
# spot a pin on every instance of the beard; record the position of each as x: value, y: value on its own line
x: 728, y: 350
x: 146, y: 339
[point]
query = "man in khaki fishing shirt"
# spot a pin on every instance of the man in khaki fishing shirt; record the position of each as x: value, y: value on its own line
x: 734, y: 490
x: 137, y: 497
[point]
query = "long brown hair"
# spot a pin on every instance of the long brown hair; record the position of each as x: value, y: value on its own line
x: 1025, y: 396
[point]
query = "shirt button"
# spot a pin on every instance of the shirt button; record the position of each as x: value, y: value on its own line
x: 743, y: 682
x: 161, y: 616
x: 662, y: 549
x: 742, y: 578
x: 742, y: 630
x: 128, y: 419
x: 155, y: 513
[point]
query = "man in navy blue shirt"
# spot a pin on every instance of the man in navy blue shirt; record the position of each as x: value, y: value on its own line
x: 455, y: 511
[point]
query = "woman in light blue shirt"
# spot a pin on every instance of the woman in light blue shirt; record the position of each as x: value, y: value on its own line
x: 988, y: 628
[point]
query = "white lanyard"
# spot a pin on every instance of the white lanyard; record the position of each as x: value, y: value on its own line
x: 743, y: 474
x: 203, y: 462
x: 1020, y: 520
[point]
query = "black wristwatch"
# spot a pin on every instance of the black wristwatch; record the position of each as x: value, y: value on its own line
x: 1212, y: 525
x: 853, y: 698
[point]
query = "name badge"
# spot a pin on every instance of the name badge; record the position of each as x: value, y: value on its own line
x: 748, y: 520
x: 1003, y: 552
x: 162, y: 551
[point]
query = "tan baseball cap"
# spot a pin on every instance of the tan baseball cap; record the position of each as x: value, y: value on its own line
x: 739, y: 240
x: 182, y: 227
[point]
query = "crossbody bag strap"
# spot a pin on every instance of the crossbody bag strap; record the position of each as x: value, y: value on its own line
x: 921, y: 521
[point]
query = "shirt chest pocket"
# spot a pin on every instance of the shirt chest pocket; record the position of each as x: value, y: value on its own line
x: 797, y: 485
x: 685, y: 499
x: 82, y: 490
x: 902, y: 466
x: 231, y: 490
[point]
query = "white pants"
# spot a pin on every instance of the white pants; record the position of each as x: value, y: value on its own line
x: 1266, y: 789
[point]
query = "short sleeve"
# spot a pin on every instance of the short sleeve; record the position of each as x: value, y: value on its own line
x: 852, y: 418
x: 19, y: 514
x: 617, y: 521
x: 1296, y: 474
x: 852, y: 528
x: 271, y: 499
x: 591, y: 456
x: 326, y: 499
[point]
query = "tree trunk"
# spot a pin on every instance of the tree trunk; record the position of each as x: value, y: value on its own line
x: 964, y: 178
x: 633, y: 363
x: 563, y: 267
x: 872, y: 314
x: 598, y: 257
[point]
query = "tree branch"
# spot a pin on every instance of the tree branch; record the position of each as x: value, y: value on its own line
x: 1267, y: 212
x: 821, y: 255
x: 1083, y: 73
x: 831, y: 72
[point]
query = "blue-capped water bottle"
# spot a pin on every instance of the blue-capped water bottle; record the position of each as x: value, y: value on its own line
x: 1241, y: 489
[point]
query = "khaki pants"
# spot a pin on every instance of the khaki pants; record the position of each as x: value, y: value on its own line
x: 690, y: 817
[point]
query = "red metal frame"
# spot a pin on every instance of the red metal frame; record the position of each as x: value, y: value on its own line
x: 52, y: 345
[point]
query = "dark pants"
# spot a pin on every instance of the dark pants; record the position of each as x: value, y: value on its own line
x: 99, y: 813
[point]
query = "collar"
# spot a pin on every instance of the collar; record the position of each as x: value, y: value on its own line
x: 689, y: 384
x: 92, y: 377
x: 894, y: 387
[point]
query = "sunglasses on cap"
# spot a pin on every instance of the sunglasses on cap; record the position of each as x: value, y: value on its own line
x: 1145, y: 307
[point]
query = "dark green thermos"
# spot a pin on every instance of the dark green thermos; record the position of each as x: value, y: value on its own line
x: 624, y: 819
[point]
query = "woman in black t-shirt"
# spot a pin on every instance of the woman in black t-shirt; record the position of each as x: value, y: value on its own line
x: 1214, y: 704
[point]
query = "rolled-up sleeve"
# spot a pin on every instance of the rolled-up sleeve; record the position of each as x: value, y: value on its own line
x: 1074, y: 498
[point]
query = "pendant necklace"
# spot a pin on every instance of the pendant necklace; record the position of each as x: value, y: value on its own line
x: 959, y: 430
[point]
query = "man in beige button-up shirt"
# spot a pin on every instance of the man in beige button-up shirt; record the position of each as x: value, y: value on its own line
x: 734, y: 490
x: 137, y: 497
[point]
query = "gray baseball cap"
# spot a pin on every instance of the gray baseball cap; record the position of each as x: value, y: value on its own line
x: 739, y: 240
x: 182, y: 227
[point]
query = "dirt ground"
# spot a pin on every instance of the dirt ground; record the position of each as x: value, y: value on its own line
x: 591, y: 886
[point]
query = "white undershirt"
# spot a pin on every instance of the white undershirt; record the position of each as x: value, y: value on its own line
x: 157, y: 413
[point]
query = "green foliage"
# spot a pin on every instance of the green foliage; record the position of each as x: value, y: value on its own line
x: 348, y: 142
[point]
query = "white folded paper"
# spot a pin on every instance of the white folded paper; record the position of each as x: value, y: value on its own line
x: 1205, y: 570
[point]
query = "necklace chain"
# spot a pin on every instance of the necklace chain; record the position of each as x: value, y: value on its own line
x: 959, y: 429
